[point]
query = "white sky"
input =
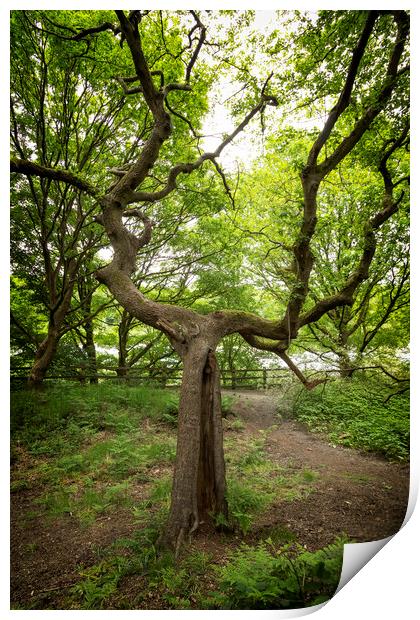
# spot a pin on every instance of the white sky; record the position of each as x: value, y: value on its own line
x: 241, y: 152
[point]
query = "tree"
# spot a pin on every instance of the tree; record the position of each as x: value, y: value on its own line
x: 364, y: 70
x: 53, y: 237
x: 348, y: 337
x: 364, y: 333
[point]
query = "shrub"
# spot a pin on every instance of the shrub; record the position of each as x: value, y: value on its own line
x: 227, y: 403
x: 265, y: 578
x: 99, y: 582
x: 354, y: 413
x: 244, y: 503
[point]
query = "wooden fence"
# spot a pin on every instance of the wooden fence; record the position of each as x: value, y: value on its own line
x: 246, y: 378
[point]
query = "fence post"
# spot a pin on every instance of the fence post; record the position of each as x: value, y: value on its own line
x: 265, y: 378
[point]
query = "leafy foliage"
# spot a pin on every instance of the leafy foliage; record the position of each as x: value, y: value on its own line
x: 99, y: 582
x: 353, y: 413
x: 265, y: 257
x: 264, y: 577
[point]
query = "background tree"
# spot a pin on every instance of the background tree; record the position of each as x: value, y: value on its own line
x: 349, y: 337
x: 53, y: 237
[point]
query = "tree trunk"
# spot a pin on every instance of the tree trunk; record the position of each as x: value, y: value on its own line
x: 122, y: 345
x: 346, y: 367
x: 90, y: 350
x: 43, y: 358
x: 48, y: 347
x: 211, y: 482
x: 122, y: 370
x: 199, y: 484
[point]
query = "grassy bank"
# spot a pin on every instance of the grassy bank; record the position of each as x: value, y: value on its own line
x: 355, y: 412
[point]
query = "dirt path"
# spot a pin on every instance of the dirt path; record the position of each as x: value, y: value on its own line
x: 359, y: 494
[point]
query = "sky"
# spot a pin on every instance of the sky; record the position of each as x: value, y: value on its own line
x: 249, y: 144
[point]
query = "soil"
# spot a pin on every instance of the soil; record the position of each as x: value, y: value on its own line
x: 361, y: 495
x: 357, y: 494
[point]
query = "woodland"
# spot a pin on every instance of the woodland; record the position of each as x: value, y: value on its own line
x: 209, y: 303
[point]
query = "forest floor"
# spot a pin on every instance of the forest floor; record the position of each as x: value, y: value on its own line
x: 359, y: 494
x: 349, y: 492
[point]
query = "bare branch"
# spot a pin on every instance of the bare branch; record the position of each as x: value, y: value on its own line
x: 175, y: 86
x: 182, y: 118
x: 308, y: 384
x: 224, y: 180
x: 279, y: 348
x: 88, y: 31
x: 137, y: 89
x: 131, y: 34
x: 128, y: 91
x: 202, y: 37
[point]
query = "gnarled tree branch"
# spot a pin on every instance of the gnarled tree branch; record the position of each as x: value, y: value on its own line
x: 389, y: 207
x: 30, y: 168
x: 187, y: 168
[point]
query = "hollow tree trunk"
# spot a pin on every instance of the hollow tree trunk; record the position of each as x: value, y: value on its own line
x: 90, y: 350
x: 122, y: 346
x: 199, y: 484
x: 43, y: 358
x: 346, y: 367
x: 211, y: 482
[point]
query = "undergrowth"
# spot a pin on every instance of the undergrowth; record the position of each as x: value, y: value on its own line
x: 81, y: 411
x: 88, y: 451
x: 354, y: 413
x: 263, y: 576
x: 267, y: 577
x: 85, y: 447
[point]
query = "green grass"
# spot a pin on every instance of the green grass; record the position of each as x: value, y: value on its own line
x: 82, y: 411
x: 353, y: 413
x: 86, y: 446
x: 85, y: 501
x: 89, y: 446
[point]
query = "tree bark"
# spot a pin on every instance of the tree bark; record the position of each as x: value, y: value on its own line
x: 43, y: 358
x: 90, y: 350
x: 199, y: 483
x: 346, y: 367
